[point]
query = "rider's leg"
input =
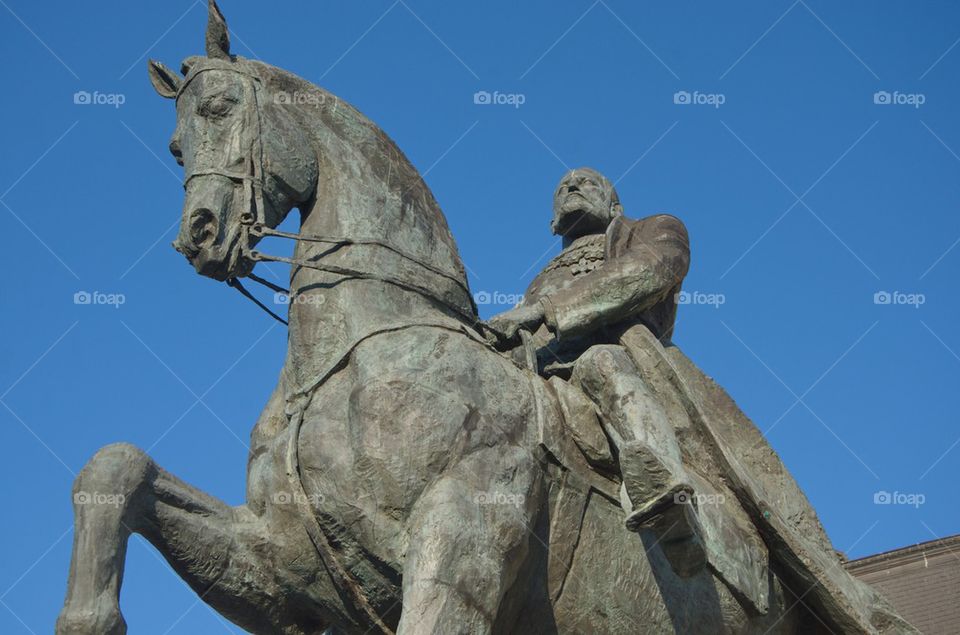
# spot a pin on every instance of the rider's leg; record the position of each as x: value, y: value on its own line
x: 654, y: 478
x: 227, y: 555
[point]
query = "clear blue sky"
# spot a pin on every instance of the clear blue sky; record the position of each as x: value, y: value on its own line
x: 803, y: 197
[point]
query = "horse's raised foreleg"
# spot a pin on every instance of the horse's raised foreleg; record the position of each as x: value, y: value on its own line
x: 470, y: 537
x: 225, y: 554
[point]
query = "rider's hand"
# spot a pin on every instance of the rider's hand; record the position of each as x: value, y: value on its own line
x: 507, y: 324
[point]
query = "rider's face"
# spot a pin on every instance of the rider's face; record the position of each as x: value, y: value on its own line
x: 581, y: 204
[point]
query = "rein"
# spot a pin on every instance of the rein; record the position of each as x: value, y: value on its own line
x: 236, y: 284
x: 259, y: 230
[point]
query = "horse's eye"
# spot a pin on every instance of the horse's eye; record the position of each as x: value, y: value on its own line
x: 216, y: 107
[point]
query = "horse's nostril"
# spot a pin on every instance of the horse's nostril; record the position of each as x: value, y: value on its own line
x: 203, y: 227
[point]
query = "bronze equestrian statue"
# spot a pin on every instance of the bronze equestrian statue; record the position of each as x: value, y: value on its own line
x: 406, y: 476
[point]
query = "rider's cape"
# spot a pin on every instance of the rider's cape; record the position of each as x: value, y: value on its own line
x: 778, y: 508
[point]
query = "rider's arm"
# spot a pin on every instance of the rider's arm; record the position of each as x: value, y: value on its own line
x: 646, y: 261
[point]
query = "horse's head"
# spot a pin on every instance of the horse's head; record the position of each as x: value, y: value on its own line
x: 245, y: 160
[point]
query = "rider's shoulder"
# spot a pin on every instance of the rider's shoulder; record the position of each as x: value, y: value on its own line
x: 656, y: 224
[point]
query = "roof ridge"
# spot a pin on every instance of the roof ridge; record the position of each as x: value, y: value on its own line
x: 936, y: 545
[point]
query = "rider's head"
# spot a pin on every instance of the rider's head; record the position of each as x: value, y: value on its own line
x: 585, y: 203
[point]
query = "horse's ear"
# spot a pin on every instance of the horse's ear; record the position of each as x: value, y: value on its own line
x: 218, y: 36
x: 165, y: 81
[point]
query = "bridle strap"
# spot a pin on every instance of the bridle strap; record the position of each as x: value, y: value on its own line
x: 252, y: 178
x: 192, y: 76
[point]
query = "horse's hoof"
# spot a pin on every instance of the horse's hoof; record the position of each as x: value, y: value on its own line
x: 91, y: 623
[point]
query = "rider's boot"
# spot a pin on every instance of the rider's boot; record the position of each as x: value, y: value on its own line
x: 659, y: 497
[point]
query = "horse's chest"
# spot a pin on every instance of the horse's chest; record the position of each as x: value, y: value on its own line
x: 377, y: 445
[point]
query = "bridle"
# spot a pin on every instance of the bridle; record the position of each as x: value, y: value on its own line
x: 253, y: 221
x: 251, y: 179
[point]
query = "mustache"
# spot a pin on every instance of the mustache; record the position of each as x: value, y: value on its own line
x: 579, y: 198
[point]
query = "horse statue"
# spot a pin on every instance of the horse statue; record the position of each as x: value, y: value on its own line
x: 405, y: 476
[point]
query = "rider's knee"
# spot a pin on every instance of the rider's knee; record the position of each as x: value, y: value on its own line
x: 118, y: 466
x: 599, y: 364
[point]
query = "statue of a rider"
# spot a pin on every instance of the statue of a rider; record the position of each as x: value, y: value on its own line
x: 612, y: 274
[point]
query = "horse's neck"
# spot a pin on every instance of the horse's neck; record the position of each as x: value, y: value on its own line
x: 331, y: 312
x: 367, y: 191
